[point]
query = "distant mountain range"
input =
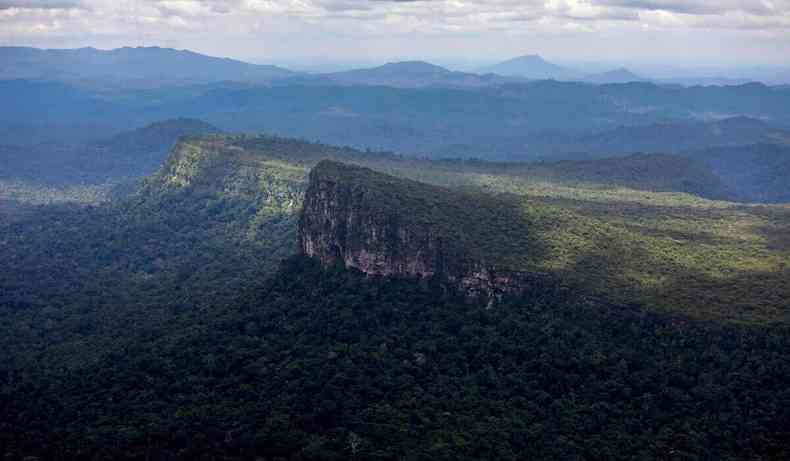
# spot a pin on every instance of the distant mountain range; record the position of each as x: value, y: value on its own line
x: 533, y: 67
x: 705, y: 81
x: 753, y: 173
x: 127, y: 155
x: 406, y: 74
x: 517, y: 121
x: 621, y: 75
x: 679, y: 136
x: 141, y: 66
x: 413, y: 108
x: 155, y: 67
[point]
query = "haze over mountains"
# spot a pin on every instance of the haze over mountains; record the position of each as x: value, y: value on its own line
x: 621, y: 75
x: 413, y: 107
x: 209, y: 259
x: 413, y: 74
x: 533, y: 67
x: 140, y: 66
x: 136, y: 66
x: 73, y: 100
x: 127, y: 155
x: 395, y: 230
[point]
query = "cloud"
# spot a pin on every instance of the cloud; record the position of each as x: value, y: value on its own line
x: 39, y: 4
x: 415, y: 28
x: 704, y: 7
x: 194, y: 7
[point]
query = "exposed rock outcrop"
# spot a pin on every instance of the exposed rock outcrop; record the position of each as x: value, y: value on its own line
x: 364, y: 220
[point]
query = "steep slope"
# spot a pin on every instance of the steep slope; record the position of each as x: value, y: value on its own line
x: 667, y: 252
x: 210, y: 162
x: 662, y: 253
x: 162, y: 328
x: 395, y: 227
x: 485, y: 247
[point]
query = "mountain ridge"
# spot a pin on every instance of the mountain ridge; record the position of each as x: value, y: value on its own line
x: 533, y: 67
x: 130, y: 66
x: 619, y: 75
x: 128, y: 155
x: 411, y: 74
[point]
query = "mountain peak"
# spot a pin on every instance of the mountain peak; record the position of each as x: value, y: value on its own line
x: 531, y: 66
x: 413, y: 74
x: 618, y: 75
x: 528, y: 57
x: 412, y: 63
x: 413, y: 67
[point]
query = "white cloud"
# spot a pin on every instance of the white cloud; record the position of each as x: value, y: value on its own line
x: 39, y: 4
x: 365, y: 28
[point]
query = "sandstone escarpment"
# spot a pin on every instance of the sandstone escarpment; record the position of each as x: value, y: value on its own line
x: 386, y: 226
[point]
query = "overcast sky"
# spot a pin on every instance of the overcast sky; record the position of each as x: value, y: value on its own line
x: 668, y: 32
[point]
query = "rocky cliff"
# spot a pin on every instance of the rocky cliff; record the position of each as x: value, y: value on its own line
x: 388, y: 226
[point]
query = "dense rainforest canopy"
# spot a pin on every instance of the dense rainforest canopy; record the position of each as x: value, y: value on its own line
x: 176, y: 322
x: 591, y: 269
x: 331, y: 365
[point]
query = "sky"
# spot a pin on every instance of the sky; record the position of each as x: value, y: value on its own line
x: 663, y: 34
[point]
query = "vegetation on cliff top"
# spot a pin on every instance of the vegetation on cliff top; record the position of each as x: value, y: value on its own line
x: 474, y: 227
x: 152, y: 327
x: 666, y: 251
x: 663, y: 252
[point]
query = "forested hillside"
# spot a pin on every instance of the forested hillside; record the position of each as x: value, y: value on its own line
x: 178, y: 322
x: 223, y: 208
x: 393, y: 248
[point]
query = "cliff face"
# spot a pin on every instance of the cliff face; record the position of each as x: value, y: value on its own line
x: 354, y: 216
x: 213, y: 165
x: 339, y: 223
x: 376, y: 223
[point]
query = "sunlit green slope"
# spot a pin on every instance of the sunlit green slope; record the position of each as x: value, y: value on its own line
x: 666, y: 251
